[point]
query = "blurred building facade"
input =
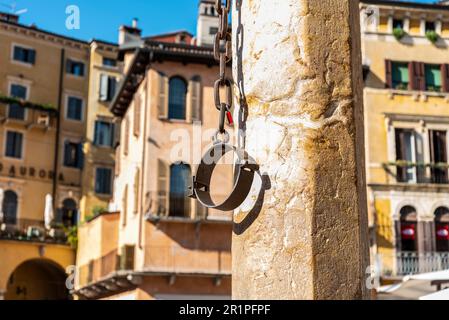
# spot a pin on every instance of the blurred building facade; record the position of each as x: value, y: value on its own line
x: 406, y: 98
x: 47, y: 126
x: 154, y: 243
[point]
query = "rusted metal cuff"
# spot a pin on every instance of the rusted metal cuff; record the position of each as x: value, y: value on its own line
x: 243, y: 178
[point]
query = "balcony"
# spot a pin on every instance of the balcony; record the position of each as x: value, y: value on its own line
x: 32, y: 231
x: 410, y: 263
x: 178, y: 260
x: 418, y: 173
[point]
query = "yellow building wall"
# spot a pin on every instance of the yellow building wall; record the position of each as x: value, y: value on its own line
x: 97, y: 155
x: 14, y: 253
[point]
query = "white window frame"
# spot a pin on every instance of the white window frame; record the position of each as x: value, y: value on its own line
x: 5, y: 140
x: 21, y: 63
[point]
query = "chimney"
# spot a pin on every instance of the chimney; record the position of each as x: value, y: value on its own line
x: 9, y: 17
x: 129, y: 34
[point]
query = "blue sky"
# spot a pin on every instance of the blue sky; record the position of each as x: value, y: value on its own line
x: 101, y: 19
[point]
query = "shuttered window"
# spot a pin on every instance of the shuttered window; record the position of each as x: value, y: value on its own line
x: 73, y: 155
x: 74, y: 108
x: 400, y: 75
x: 177, y: 99
x: 136, y: 190
x: 75, y: 68
x: 137, y: 115
x: 14, y: 142
x: 438, y: 155
x: 103, y: 181
x: 433, y: 77
x: 126, y: 138
x: 108, y: 87
x: 405, y: 152
x: 104, y: 133
x: 162, y: 188
x: 162, y: 105
x: 445, y: 77
x: 180, y: 179
x: 24, y: 55
x: 16, y: 111
x: 195, y: 98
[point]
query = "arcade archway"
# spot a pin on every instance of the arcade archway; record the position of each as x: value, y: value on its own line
x: 37, y: 279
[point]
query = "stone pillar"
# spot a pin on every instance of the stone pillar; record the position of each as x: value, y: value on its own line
x: 298, y: 84
x: 2, y: 294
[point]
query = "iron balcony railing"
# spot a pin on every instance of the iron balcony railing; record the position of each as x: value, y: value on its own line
x: 31, y: 230
x: 421, y: 173
x: 410, y: 263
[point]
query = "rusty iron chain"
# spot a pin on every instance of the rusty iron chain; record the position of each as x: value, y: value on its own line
x: 223, y: 54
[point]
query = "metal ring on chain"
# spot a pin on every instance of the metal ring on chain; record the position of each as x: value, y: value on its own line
x: 243, y: 177
x: 228, y: 85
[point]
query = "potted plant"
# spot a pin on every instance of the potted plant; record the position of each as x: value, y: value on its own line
x: 432, y: 36
x: 398, y: 33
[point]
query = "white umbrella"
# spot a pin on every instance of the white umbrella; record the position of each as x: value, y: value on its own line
x: 2, y: 215
x: 440, y: 295
x: 48, y: 213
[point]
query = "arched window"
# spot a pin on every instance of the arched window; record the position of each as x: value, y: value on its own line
x: 408, y: 229
x: 442, y: 229
x: 177, y: 98
x: 69, y: 213
x: 10, y: 207
x: 180, y: 179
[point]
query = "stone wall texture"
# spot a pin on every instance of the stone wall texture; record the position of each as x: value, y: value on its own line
x: 297, y: 72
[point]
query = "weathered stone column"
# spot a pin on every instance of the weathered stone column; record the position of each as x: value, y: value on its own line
x: 298, y: 74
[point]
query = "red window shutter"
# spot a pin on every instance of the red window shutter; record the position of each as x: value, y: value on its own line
x: 388, y: 74
x: 445, y: 76
x: 422, y: 76
x: 412, y: 76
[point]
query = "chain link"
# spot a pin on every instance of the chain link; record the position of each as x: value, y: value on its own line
x: 223, y: 39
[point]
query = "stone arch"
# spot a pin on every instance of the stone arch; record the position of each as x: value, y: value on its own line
x: 407, y: 203
x: 37, y: 279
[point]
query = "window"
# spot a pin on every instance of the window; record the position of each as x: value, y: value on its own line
x: 103, y: 181
x: 430, y: 26
x: 400, y: 75
x: 69, y: 213
x: 9, y: 207
x: 24, y: 55
x: 14, y: 141
x: 442, y: 229
x: 408, y: 229
x: 108, y: 62
x: 213, y: 31
x: 406, y: 153
x: 177, y: 98
x: 433, y: 77
x: 398, y: 24
x: 108, y: 86
x: 16, y: 111
x: 438, y: 155
x: 75, y: 68
x: 73, y: 155
x: 74, y: 108
x: 180, y: 179
x: 104, y: 133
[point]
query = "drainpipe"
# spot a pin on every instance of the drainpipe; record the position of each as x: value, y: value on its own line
x: 58, y: 128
